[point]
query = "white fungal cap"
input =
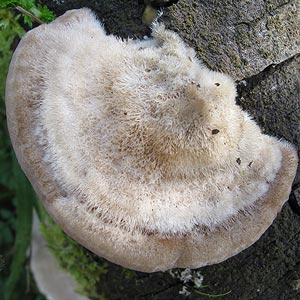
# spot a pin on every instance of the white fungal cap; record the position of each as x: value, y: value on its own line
x: 138, y: 150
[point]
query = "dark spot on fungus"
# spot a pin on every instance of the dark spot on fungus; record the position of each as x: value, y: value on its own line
x: 125, y: 113
x: 217, y: 84
x: 238, y: 160
x: 215, y: 131
x: 93, y: 209
x: 198, y: 85
x: 64, y: 194
x: 250, y: 164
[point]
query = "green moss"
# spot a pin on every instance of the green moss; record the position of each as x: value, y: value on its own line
x: 10, y: 29
x: 84, y: 266
x: 38, y: 10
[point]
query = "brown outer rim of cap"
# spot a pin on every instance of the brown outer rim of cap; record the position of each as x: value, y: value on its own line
x: 148, y: 253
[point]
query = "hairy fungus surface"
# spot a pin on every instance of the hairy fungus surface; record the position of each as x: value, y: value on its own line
x: 138, y: 150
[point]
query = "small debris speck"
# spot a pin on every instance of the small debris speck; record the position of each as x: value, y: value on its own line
x: 215, y: 131
x: 238, y: 160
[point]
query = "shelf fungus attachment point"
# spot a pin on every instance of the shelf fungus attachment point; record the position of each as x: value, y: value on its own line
x: 134, y: 149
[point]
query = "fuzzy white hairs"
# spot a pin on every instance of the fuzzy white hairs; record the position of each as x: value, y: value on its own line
x: 138, y: 150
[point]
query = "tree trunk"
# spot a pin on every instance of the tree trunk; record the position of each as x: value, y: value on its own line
x: 257, y: 43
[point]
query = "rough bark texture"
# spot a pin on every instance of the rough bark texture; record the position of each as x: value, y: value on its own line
x: 257, y: 43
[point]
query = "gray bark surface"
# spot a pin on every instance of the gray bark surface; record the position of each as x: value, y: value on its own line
x: 258, y: 43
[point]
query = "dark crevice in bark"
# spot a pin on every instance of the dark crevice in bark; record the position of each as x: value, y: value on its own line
x: 293, y: 201
x: 250, y: 82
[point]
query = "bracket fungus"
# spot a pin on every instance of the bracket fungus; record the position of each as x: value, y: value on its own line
x: 137, y: 150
